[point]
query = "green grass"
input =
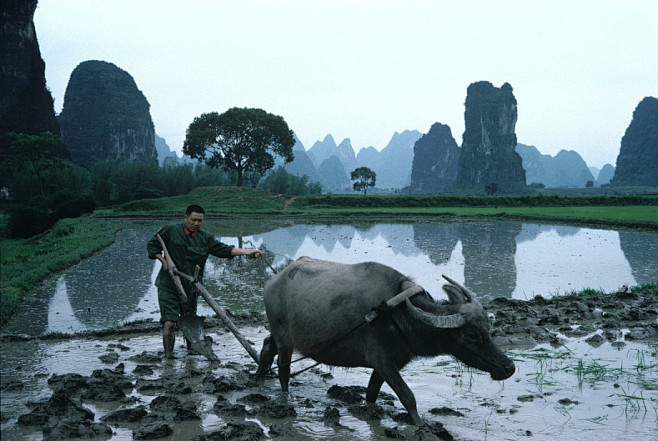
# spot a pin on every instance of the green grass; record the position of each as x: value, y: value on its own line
x: 27, y: 262
x: 217, y: 202
x: 630, y: 213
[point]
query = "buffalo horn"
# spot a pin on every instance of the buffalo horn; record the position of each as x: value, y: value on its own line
x: 470, y: 295
x: 436, y: 321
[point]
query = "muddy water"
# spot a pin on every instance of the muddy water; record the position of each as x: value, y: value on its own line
x: 496, y: 259
x: 575, y: 391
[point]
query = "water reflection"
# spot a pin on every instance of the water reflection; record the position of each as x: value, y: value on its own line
x: 489, y: 250
x: 103, y: 291
x: 642, y: 255
x: 507, y: 259
x: 61, y: 317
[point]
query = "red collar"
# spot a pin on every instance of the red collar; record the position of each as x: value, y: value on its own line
x: 188, y: 232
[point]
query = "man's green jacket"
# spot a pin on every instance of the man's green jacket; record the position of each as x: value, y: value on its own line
x: 187, y: 251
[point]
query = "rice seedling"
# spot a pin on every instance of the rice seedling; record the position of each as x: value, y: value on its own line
x: 634, y: 401
x: 486, y: 425
x: 541, y: 377
x: 593, y: 371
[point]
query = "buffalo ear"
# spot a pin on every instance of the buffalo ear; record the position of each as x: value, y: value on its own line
x: 467, y: 293
x: 455, y: 295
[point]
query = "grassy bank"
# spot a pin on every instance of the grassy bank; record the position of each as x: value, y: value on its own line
x: 25, y: 263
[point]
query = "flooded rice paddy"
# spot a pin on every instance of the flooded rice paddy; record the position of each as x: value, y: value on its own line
x: 570, y: 389
x: 495, y: 259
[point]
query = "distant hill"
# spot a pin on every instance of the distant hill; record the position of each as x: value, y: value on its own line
x: 322, y: 150
x: 163, y: 150
x: 321, y: 162
x: 394, y: 162
x: 333, y: 175
x: 26, y: 105
x: 302, y: 164
x: 637, y: 163
x: 435, y: 162
x: 566, y: 169
x: 606, y: 174
x: 488, y: 162
x: 105, y: 116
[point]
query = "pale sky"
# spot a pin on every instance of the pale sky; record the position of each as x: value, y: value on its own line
x: 367, y: 69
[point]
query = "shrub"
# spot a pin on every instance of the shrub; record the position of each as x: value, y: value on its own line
x: 28, y: 220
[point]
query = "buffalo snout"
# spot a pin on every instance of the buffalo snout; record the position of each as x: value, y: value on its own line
x: 503, y: 371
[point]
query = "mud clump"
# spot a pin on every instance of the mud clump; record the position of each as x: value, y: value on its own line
x: 347, y: 394
x: 432, y: 431
x: 153, y: 430
x: 275, y: 409
x: 131, y: 415
x: 103, y: 384
x: 540, y: 320
x: 235, y: 431
x: 62, y: 418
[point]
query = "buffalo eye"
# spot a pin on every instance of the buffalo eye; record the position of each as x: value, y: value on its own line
x: 472, y: 336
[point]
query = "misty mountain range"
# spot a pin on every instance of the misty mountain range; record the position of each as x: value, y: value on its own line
x: 330, y: 164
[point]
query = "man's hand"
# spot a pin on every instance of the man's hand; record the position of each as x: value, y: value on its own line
x: 256, y: 254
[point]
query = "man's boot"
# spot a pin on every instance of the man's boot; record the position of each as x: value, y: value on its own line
x: 168, y: 340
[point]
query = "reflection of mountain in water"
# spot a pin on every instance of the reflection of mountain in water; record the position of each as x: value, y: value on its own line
x: 284, y: 241
x: 327, y: 236
x: 489, y: 251
x: 436, y: 240
x: 106, y: 288
x: 400, y: 237
x: 529, y: 232
x: 641, y: 251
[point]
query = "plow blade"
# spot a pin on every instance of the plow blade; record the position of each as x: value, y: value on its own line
x: 192, y: 327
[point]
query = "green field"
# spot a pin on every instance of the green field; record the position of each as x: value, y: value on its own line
x: 632, y: 214
x: 27, y: 262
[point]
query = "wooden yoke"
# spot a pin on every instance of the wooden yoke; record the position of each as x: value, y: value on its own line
x: 173, y: 271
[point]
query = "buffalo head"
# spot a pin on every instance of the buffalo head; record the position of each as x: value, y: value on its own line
x: 465, y: 331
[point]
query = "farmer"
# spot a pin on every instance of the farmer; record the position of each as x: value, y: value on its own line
x: 189, y: 246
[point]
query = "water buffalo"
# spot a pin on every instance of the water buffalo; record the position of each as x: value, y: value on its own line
x: 316, y: 307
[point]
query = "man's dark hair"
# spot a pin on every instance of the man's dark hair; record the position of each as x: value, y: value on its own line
x: 195, y: 209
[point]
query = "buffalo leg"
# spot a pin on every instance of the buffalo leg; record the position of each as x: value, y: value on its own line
x: 266, y: 357
x: 285, y: 355
x: 374, y: 385
x: 406, y: 396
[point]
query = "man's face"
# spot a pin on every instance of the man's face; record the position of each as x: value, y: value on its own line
x: 193, y: 221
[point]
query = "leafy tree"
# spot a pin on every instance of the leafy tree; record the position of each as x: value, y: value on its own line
x: 491, y: 189
x: 240, y: 139
x: 536, y: 185
x: 281, y: 182
x: 35, y: 152
x: 364, y: 178
x: 589, y: 184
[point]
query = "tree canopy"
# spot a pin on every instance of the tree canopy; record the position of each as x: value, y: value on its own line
x: 35, y: 152
x: 281, y: 182
x: 240, y: 139
x: 364, y: 178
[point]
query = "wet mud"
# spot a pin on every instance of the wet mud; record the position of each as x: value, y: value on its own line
x: 631, y: 315
x: 139, y: 395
